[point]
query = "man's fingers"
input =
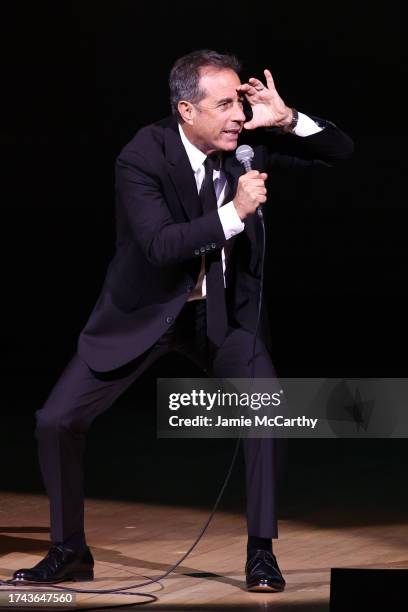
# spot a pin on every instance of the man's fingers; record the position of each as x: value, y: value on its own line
x: 259, y: 184
x: 255, y: 174
x: 259, y: 180
x: 250, y: 125
x: 269, y: 79
x: 250, y: 89
x: 256, y: 83
x: 261, y: 188
x: 246, y: 88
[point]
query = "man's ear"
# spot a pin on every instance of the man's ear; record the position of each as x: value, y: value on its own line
x: 186, y: 110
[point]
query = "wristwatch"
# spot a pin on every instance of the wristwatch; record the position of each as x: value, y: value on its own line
x: 293, y: 123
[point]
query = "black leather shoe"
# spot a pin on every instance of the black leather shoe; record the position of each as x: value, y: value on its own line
x: 61, y: 564
x: 263, y: 573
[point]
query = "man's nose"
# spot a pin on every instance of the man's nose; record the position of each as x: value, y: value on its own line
x: 238, y: 113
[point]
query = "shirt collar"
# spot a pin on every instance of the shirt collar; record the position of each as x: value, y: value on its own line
x: 196, y: 157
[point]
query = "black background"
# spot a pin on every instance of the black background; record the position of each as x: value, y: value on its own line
x: 81, y: 78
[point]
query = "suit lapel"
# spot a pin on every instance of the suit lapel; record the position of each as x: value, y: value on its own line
x: 181, y: 172
x: 233, y: 170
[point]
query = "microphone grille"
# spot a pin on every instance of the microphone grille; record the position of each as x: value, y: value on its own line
x: 244, y: 153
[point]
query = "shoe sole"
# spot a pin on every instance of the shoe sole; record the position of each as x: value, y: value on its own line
x: 262, y: 588
x: 77, y: 577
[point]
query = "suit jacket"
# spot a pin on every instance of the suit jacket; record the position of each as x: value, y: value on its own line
x: 161, y: 236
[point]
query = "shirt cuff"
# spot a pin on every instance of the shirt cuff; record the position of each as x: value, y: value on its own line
x: 230, y: 220
x: 306, y: 126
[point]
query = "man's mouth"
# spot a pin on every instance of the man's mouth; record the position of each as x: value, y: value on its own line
x: 233, y: 131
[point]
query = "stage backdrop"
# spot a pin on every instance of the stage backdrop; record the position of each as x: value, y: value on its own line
x: 82, y: 78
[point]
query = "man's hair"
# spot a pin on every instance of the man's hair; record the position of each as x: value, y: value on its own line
x: 184, y: 79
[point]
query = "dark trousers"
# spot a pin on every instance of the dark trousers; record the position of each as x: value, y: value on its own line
x: 80, y: 395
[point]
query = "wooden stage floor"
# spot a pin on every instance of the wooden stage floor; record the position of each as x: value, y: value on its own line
x: 131, y: 541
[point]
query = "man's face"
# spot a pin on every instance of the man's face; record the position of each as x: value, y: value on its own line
x: 215, y: 122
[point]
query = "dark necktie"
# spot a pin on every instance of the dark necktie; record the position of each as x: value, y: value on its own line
x: 217, y: 321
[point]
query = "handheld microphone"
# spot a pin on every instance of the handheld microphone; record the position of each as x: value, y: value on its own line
x: 245, y: 155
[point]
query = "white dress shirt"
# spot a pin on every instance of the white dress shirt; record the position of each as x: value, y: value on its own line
x: 230, y: 220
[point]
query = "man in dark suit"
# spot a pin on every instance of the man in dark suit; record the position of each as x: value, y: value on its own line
x: 185, y: 277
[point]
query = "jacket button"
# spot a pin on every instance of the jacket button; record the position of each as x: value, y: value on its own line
x: 202, y: 249
x: 169, y: 319
x: 196, y: 251
x: 213, y: 245
x: 208, y: 247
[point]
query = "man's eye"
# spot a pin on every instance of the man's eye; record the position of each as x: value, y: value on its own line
x: 228, y: 104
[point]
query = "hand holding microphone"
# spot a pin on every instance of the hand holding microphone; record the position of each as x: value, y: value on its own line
x: 251, y: 191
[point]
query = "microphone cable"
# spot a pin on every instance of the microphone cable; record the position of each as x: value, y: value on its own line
x: 261, y: 282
